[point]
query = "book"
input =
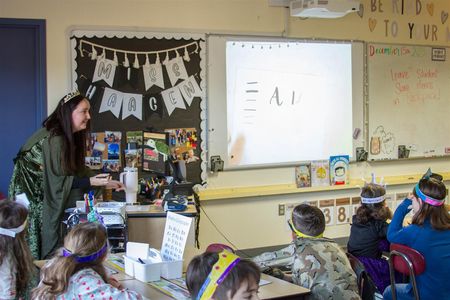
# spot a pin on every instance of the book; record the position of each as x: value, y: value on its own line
x: 339, y: 169
x: 320, y: 173
x: 303, y: 175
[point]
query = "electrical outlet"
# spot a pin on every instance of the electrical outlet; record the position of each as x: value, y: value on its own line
x: 281, y: 209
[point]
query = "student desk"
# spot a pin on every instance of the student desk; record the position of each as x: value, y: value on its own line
x: 277, y: 289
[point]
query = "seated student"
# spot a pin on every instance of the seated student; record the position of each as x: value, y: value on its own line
x: 318, y: 263
x: 429, y: 233
x: 16, y: 262
x: 77, y: 271
x: 222, y: 276
x: 368, y: 233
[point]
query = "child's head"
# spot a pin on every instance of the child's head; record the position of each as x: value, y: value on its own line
x: 240, y: 280
x: 307, y: 221
x: 85, y: 246
x: 373, y: 204
x: 428, y: 202
x: 13, y: 246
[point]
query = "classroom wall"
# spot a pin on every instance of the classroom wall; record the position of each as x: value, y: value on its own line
x: 254, y: 221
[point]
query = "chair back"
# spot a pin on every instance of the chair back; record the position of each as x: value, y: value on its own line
x: 417, y: 260
x: 407, y: 261
x: 366, y: 287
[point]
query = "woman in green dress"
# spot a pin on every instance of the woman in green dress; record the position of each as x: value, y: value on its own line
x: 50, y: 170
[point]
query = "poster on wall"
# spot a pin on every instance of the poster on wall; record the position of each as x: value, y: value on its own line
x: 143, y: 81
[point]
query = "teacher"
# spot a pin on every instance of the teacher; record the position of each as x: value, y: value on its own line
x: 50, y: 170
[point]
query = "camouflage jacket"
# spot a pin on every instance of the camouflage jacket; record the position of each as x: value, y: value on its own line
x: 322, y: 266
x: 317, y: 264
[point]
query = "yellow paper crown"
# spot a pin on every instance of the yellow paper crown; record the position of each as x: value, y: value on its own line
x: 219, y: 271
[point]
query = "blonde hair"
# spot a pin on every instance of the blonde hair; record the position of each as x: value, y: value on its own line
x: 12, y: 215
x: 83, y: 240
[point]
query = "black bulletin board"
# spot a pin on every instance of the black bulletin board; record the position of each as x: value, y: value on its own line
x: 130, y: 52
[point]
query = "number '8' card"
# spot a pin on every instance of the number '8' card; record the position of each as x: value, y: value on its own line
x: 343, y: 211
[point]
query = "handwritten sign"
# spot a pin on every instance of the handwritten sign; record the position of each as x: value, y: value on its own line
x: 175, y: 236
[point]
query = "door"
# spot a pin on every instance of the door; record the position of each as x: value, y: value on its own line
x: 23, y: 96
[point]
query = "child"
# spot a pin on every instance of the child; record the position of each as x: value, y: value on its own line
x: 222, y: 276
x: 318, y: 263
x: 429, y: 234
x: 16, y: 262
x: 368, y: 233
x: 77, y: 270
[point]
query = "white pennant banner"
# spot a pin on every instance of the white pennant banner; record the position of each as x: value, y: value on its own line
x: 176, y: 70
x: 104, y: 69
x: 190, y: 89
x: 153, y: 75
x: 173, y: 99
x: 132, y: 106
x: 111, y: 101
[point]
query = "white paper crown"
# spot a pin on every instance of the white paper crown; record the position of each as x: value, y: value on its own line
x: 70, y: 96
x: 367, y: 200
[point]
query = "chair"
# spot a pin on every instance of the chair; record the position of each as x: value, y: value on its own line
x: 406, y: 261
x: 366, y: 287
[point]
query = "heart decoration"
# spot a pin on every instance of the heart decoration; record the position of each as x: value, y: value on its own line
x: 372, y: 24
x: 444, y: 16
x: 361, y: 10
x: 430, y: 8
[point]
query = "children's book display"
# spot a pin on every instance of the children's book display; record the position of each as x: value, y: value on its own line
x: 303, y: 175
x: 339, y: 169
x: 320, y: 173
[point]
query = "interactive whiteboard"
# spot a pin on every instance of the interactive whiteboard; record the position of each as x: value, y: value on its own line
x: 286, y: 101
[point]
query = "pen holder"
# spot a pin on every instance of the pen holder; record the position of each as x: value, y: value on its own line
x: 146, y: 271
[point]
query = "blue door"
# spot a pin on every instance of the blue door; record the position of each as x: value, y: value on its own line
x: 23, y: 96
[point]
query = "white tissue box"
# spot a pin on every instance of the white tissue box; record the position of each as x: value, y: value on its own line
x: 172, y: 269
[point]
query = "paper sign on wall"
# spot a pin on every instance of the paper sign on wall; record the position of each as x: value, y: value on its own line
x: 175, y: 236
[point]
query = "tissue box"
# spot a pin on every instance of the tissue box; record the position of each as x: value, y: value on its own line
x: 172, y: 269
x: 146, y: 272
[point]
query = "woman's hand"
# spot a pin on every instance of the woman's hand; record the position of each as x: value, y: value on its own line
x: 116, y: 185
x: 100, y: 179
x: 115, y: 283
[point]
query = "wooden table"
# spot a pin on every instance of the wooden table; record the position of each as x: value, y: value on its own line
x: 276, y: 289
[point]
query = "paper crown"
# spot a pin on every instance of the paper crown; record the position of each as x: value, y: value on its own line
x: 70, y: 96
x: 425, y: 198
x: 368, y: 200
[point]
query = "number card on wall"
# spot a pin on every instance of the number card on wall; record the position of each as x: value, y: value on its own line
x: 327, y: 207
x: 356, y: 202
x: 175, y: 236
x: 342, y: 211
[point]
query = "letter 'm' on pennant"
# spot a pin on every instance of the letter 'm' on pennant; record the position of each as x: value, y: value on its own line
x: 190, y: 89
x: 111, y: 101
x: 173, y: 99
x: 153, y: 75
x: 176, y: 70
x: 104, y: 69
x: 132, y: 106
x: 153, y: 104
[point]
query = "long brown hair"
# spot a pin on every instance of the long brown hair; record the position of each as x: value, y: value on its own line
x: 438, y: 215
x: 12, y: 215
x: 84, y: 239
x: 376, y: 211
x: 59, y: 123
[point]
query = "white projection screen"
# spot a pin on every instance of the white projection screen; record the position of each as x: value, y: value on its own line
x: 287, y: 101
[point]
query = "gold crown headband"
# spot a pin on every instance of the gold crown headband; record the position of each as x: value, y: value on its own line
x: 70, y: 96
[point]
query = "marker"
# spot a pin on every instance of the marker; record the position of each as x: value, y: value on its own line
x: 141, y: 261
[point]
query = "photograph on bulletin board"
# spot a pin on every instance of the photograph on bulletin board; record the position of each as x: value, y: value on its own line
x: 155, y: 152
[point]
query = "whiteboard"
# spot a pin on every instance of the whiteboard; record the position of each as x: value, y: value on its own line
x: 409, y: 94
x: 274, y: 101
